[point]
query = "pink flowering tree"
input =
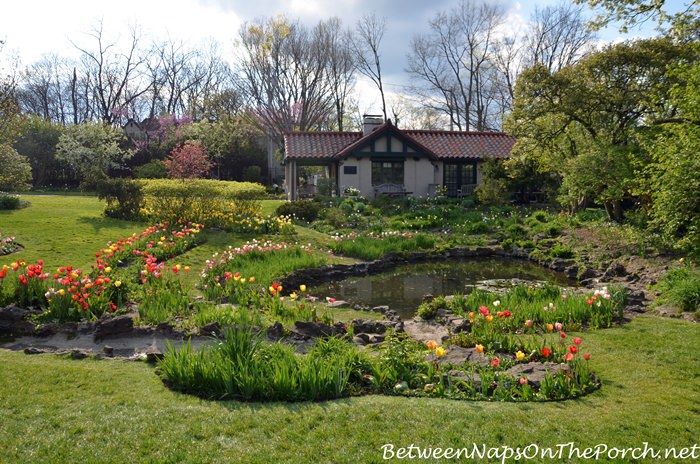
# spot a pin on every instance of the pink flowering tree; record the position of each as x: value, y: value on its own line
x: 188, y: 161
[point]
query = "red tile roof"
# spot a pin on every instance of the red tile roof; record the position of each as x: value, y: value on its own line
x: 444, y: 145
x: 317, y: 145
x: 464, y: 145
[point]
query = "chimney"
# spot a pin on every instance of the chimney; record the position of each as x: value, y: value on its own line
x: 371, y: 122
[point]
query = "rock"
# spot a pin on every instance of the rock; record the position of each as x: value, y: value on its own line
x: 34, y: 350
x: 47, y: 330
x: 275, y: 331
x: 313, y: 329
x: 391, y: 315
x: 588, y: 273
x: 12, y: 322
x: 616, y: 269
x: 165, y: 327
x: 458, y: 356
x: 361, y: 339
x: 535, y: 371
x: 79, y: 354
x: 375, y: 327
x: 458, y: 324
x: 424, y: 331
x: 635, y: 297
x: 339, y: 304
x: 108, y: 350
x: 154, y: 356
x: 211, y: 329
x: 110, y: 326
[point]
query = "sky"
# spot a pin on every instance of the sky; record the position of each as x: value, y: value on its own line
x: 31, y: 28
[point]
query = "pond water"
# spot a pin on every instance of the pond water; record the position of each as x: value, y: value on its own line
x: 403, y: 288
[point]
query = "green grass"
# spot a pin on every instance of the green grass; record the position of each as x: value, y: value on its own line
x: 54, y: 409
x: 62, y: 230
x: 58, y: 410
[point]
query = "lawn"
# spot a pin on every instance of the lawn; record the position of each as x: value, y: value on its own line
x: 60, y: 410
x: 54, y: 409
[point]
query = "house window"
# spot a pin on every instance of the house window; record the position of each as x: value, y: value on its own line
x: 459, y: 179
x: 387, y: 172
x: 350, y: 170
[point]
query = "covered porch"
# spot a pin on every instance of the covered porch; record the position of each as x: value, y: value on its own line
x: 307, y: 178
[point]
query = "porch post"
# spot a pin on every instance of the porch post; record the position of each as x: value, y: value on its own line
x: 290, y: 179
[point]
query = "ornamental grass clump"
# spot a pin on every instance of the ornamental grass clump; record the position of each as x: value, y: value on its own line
x: 240, y: 365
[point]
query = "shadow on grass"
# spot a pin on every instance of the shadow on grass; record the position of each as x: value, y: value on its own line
x: 99, y: 223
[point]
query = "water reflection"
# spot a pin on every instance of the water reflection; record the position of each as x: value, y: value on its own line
x: 403, y: 288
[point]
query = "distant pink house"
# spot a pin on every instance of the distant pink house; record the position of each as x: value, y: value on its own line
x: 386, y: 160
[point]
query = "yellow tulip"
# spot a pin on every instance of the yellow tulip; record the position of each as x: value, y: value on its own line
x: 118, y: 283
x: 519, y: 355
x: 302, y: 287
x: 479, y: 348
x: 440, y: 351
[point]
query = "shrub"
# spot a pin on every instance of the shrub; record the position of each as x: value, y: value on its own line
x: 562, y: 251
x: 200, y: 200
x: 152, y: 170
x: 540, y: 216
x: 516, y: 231
x: 429, y: 309
x: 304, y: 210
x: 124, y: 197
x: 680, y: 287
x: 9, y: 201
x: 480, y: 227
x: 334, y: 217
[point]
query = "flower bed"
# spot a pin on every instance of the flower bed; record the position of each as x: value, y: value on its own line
x: 74, y: 294
x: 7, y: 245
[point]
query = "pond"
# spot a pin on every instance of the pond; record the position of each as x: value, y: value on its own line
x: 403, y: 288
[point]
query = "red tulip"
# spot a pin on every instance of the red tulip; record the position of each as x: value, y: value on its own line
x: 546, y: 352
x: 495, y: 362
x: 573, y: 349
x: 586, y: 356
x: 577, y: 341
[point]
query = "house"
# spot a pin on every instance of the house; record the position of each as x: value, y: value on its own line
x: 386, y: 160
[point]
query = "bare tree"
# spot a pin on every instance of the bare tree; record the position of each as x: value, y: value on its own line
x: 115, y: 77
x: 558, y: 36
x: 284, y: 72
x: 455, y: 63
x: 370, y: 31
x: 341, y: 65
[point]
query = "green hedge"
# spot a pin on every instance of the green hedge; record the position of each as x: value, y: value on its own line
x: 201, y: 200
x: 202, y: 188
